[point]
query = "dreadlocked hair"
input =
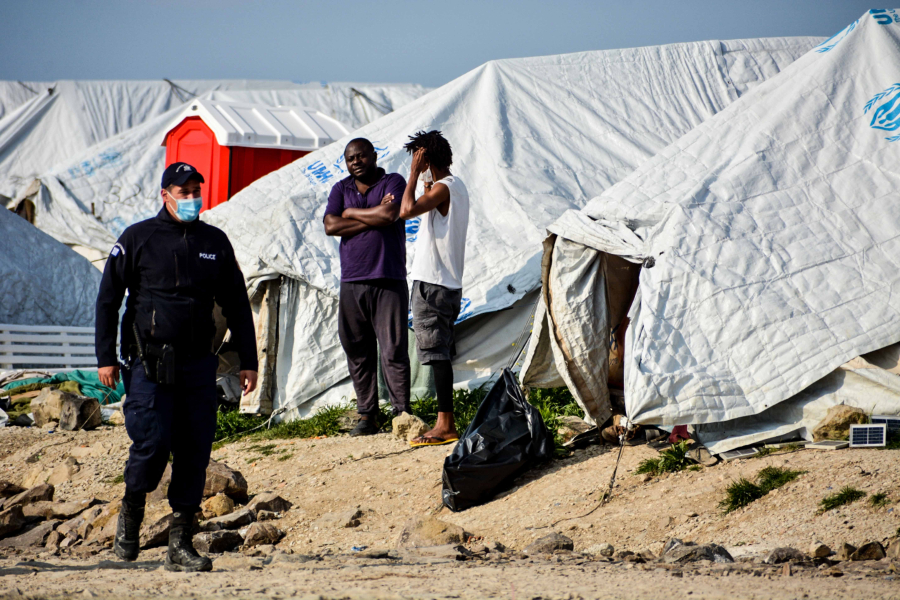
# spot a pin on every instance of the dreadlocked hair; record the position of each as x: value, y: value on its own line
x: 437, y: 148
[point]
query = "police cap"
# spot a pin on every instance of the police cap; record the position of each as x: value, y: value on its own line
x: 179, y: 173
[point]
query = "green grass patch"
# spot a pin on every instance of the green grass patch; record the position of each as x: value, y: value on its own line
x: 285, y: 457
x: 879, y: 500
x: 670, y: 460
x: 120, y: 478
x: 847, y: 495
x: 743, y: 492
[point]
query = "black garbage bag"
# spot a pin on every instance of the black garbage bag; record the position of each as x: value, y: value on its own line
x: 506, y: 438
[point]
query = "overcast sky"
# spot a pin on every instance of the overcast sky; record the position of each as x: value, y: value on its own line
x: 356, y: 40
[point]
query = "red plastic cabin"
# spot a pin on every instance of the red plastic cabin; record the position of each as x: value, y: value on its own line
x: 233, y: 144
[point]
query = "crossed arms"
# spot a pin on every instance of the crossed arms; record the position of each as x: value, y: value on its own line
x: 356, y: 220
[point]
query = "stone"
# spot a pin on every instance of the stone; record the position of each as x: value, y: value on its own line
x: 407, y: 427
x: 422, y: 531
x: 844, y: 552
x: 47, y: 405
x: 222, y: 479
x: 623, y: 554
x: 671, y: 544
x: 217, y: 506
x: 262, y: 533
x: 692, y: 553
x: 836, y: 424
x: 267, y: 515
x: 37, y: 536
x: 570, y: 426
x: 155, y: 528
x: 38, y: 493
x: 117, y: 418
x: 63, y: 472
x: 893, y: 550
x: 230, y: 562
x: 54, y: 540
x: 269, y: 501
x: 606, y: 550
x: 36, y: 476
x: 161, y: 493
x: 79, y: 412
x: 447, y: 551
x: 234, y: 520
x: 11, y: 520
x: 783, y: 555
x: 81, y: 526
x: 103, y: 527
x: 549, y: 544
x: 217, y: 542
x: 8, y: 489
x: 819, y: 550
x: 57, y: 510
x: 338, y: 520
x: 869, y: 551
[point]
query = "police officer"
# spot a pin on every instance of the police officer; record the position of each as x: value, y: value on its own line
x: 174, y: 268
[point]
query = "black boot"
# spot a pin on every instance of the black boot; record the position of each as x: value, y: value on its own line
x: 128, y: 529
x: 365, y: 427
x: 181, y: 555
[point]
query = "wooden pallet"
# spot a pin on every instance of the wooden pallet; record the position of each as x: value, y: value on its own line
x: 46, y: 348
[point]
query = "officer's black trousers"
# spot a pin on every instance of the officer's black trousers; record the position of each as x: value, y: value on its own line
x: 180, y: 419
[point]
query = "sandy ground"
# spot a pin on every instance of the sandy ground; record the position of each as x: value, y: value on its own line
x: 341, y: 473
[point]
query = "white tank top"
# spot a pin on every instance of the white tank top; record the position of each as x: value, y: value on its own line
x: 440, y: 250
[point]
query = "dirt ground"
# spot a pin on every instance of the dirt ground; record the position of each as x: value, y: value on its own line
x: 335, y: 474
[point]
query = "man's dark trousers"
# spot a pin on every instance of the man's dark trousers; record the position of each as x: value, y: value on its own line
x: 375, y: 313
x: 180, y: 419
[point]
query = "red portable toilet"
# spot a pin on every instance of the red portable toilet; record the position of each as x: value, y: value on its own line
x: 233, y: 144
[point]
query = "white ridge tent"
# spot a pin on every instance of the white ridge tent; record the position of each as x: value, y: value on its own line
x: 770, y: 243
x: 90, y: 197
x: 532, y: 138
x: 43, y: 282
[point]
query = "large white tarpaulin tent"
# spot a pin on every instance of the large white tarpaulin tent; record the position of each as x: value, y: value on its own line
x: 770, y: 243
x: 43, y: 282
x: 89, y: 198
x: 531, y: 138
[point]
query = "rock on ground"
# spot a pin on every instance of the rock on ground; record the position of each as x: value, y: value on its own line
x: 235, y: 520
x: 63, y: 472
x: 217, y: 542
x: 103, y: 527
x: 844, y: 552
x: 81, y: 526
x: 155, y: 528
x: 222, y: 479
x: 8, y: 489
x: 47, y: 405
x: 11, y: 520
x: 783, y: 555
x: 38, y: 493
x: 549, y: 544
x: 407, y: 427
x: 57, y: 510
x: 79, y: 412
x: 893, y: 550
x: 269, y: 501
x: 262, y: 533
x: 819, y: 550
x: 836, y: 424
x: 36, y: 536
x: 427, y: 531
x: 217, y: 506
x: 267, y: 515
x: 692, y: 553
x: 606, y: 550
x: 338, y: 520
x: 570, y: 426
x: 869, y: 551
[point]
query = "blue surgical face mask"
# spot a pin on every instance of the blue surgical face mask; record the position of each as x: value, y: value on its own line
x: 188, y: 209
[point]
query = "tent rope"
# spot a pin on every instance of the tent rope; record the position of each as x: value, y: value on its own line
x: 180, y: 93
x: 519, y: 344
x: 384, y: 108
x: 26, y: 87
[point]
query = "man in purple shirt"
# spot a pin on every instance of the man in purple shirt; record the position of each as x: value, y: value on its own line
x: 364, y: 210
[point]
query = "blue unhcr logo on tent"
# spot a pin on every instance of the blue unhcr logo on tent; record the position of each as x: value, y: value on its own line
x: 886, y: 115
x: 885, y: 16
x: 834, y: 40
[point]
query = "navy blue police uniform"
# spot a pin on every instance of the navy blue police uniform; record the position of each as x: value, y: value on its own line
x: 174, y: 272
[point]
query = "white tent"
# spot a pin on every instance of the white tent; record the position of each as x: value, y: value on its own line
x: 532, y: 138
x: 13, y: 94
x: 770, y: 243
x: 89, y: 198
x: 42, y: 282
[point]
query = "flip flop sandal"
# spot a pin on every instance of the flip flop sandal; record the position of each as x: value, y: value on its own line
x: 438, y: 442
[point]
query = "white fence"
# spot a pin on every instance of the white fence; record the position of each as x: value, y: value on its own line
x: 46, y: 348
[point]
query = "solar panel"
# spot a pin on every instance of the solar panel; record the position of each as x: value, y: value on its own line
x: 739, y: 453
x: 828, y: 445
x: 868, y: 436
x: 893, y: 423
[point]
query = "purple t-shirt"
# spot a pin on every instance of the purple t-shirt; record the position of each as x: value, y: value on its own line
x: 378, y: 253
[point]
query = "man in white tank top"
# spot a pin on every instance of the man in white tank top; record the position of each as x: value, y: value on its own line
x: 437, y: 268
